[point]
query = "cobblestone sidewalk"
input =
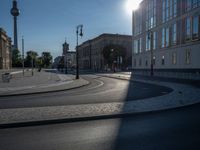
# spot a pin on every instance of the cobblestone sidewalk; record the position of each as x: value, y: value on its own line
x: 183, y: 95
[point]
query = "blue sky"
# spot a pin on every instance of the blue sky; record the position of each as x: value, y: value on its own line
x: 45, y: 23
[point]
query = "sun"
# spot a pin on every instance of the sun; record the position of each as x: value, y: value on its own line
x: 131, y: 5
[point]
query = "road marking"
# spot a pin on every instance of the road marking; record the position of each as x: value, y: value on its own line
x: 164, y: 92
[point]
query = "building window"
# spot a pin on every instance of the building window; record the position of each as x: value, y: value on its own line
x: 165, y: 37
x: 174, y: 58
x: 137, y: 22
x: 195, y: 3
x: 163, y: 60
x: 188, y: 57
x: 192, y: 4
x: 148, y: 43
x: 154, y: 40
x: 188, y: 28
x: 195, y: 27
x: 192, y: 28
x: 151, y: 14
x: 169, y: 9
x: 188, y: 5
x: 175, y: 8
x: 135, y: 49
x: 174, y: 33
x: 138, y: 46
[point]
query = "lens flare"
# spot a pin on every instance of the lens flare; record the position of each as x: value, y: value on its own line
x: 132, y: 5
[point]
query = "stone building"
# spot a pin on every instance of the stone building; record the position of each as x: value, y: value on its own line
x: 91, y: 52
x: 71, y: 59
x: 5, y: 50
x: 69, y: 56
x: 166, y: 34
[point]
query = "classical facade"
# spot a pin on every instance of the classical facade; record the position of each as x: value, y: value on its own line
x: 117, y: 48
x: 71, y: 59
x: 67, y: 60
x: 166, y: 34
x: 69, y: 56
x: 5, y: 50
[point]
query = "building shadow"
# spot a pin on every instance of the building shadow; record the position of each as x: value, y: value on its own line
x: 131, y: 127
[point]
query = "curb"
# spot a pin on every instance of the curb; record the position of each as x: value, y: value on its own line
x: 44, y: 92
x: 88, y: 118
x: 98, y: 116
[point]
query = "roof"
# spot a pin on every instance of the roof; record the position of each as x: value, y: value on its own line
x: 106, y: 35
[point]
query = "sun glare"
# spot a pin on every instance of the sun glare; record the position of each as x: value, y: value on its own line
x: 131, y: 5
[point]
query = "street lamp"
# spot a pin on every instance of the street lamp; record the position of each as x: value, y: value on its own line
x: 150, y: 37
x: 32, y: 63
x: 79, y: 32
x: 113, y: 59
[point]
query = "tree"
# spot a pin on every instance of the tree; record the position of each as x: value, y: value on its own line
x: 16, y: 58
x: 46, y: 59
x: 31, y: 56
x: 39, y: 62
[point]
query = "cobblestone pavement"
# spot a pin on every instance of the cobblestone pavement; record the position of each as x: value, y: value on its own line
x: 43, y: 81
x: 183, y: 95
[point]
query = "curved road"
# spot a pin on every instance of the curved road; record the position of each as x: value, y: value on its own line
x: 177, y: 129
x: 100, y: 90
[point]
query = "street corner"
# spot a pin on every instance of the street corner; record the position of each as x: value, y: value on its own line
x: 63, y: 85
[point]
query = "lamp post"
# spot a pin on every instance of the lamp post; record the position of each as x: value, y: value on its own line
x: 150, y: 36
x: 32, y: 63
x: 23, y: 54
x: 113, y: 60
x: 79, y: 32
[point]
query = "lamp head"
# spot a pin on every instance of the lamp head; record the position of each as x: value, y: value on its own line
x: 81, y: 33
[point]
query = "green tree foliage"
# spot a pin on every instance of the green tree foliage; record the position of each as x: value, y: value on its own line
x: 39, y: 62
x: 31, y: 55
x: 16, y: 58
x: 46, y: 59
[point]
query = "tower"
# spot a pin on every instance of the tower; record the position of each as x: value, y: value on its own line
x: 15, y: 12
x: 65, y: 48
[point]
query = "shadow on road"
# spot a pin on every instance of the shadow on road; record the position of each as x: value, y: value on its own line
x: 136, y: 91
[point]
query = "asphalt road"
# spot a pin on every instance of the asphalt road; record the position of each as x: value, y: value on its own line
x: 101, y: 90
x: 177, y: 129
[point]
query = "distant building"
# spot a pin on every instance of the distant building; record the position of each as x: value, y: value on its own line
x: 71, y: 59
x: 67, y: 60
x: 92, y: 52
x: 175, y: 40
x: 69, y: 56
x: 5, y: 50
